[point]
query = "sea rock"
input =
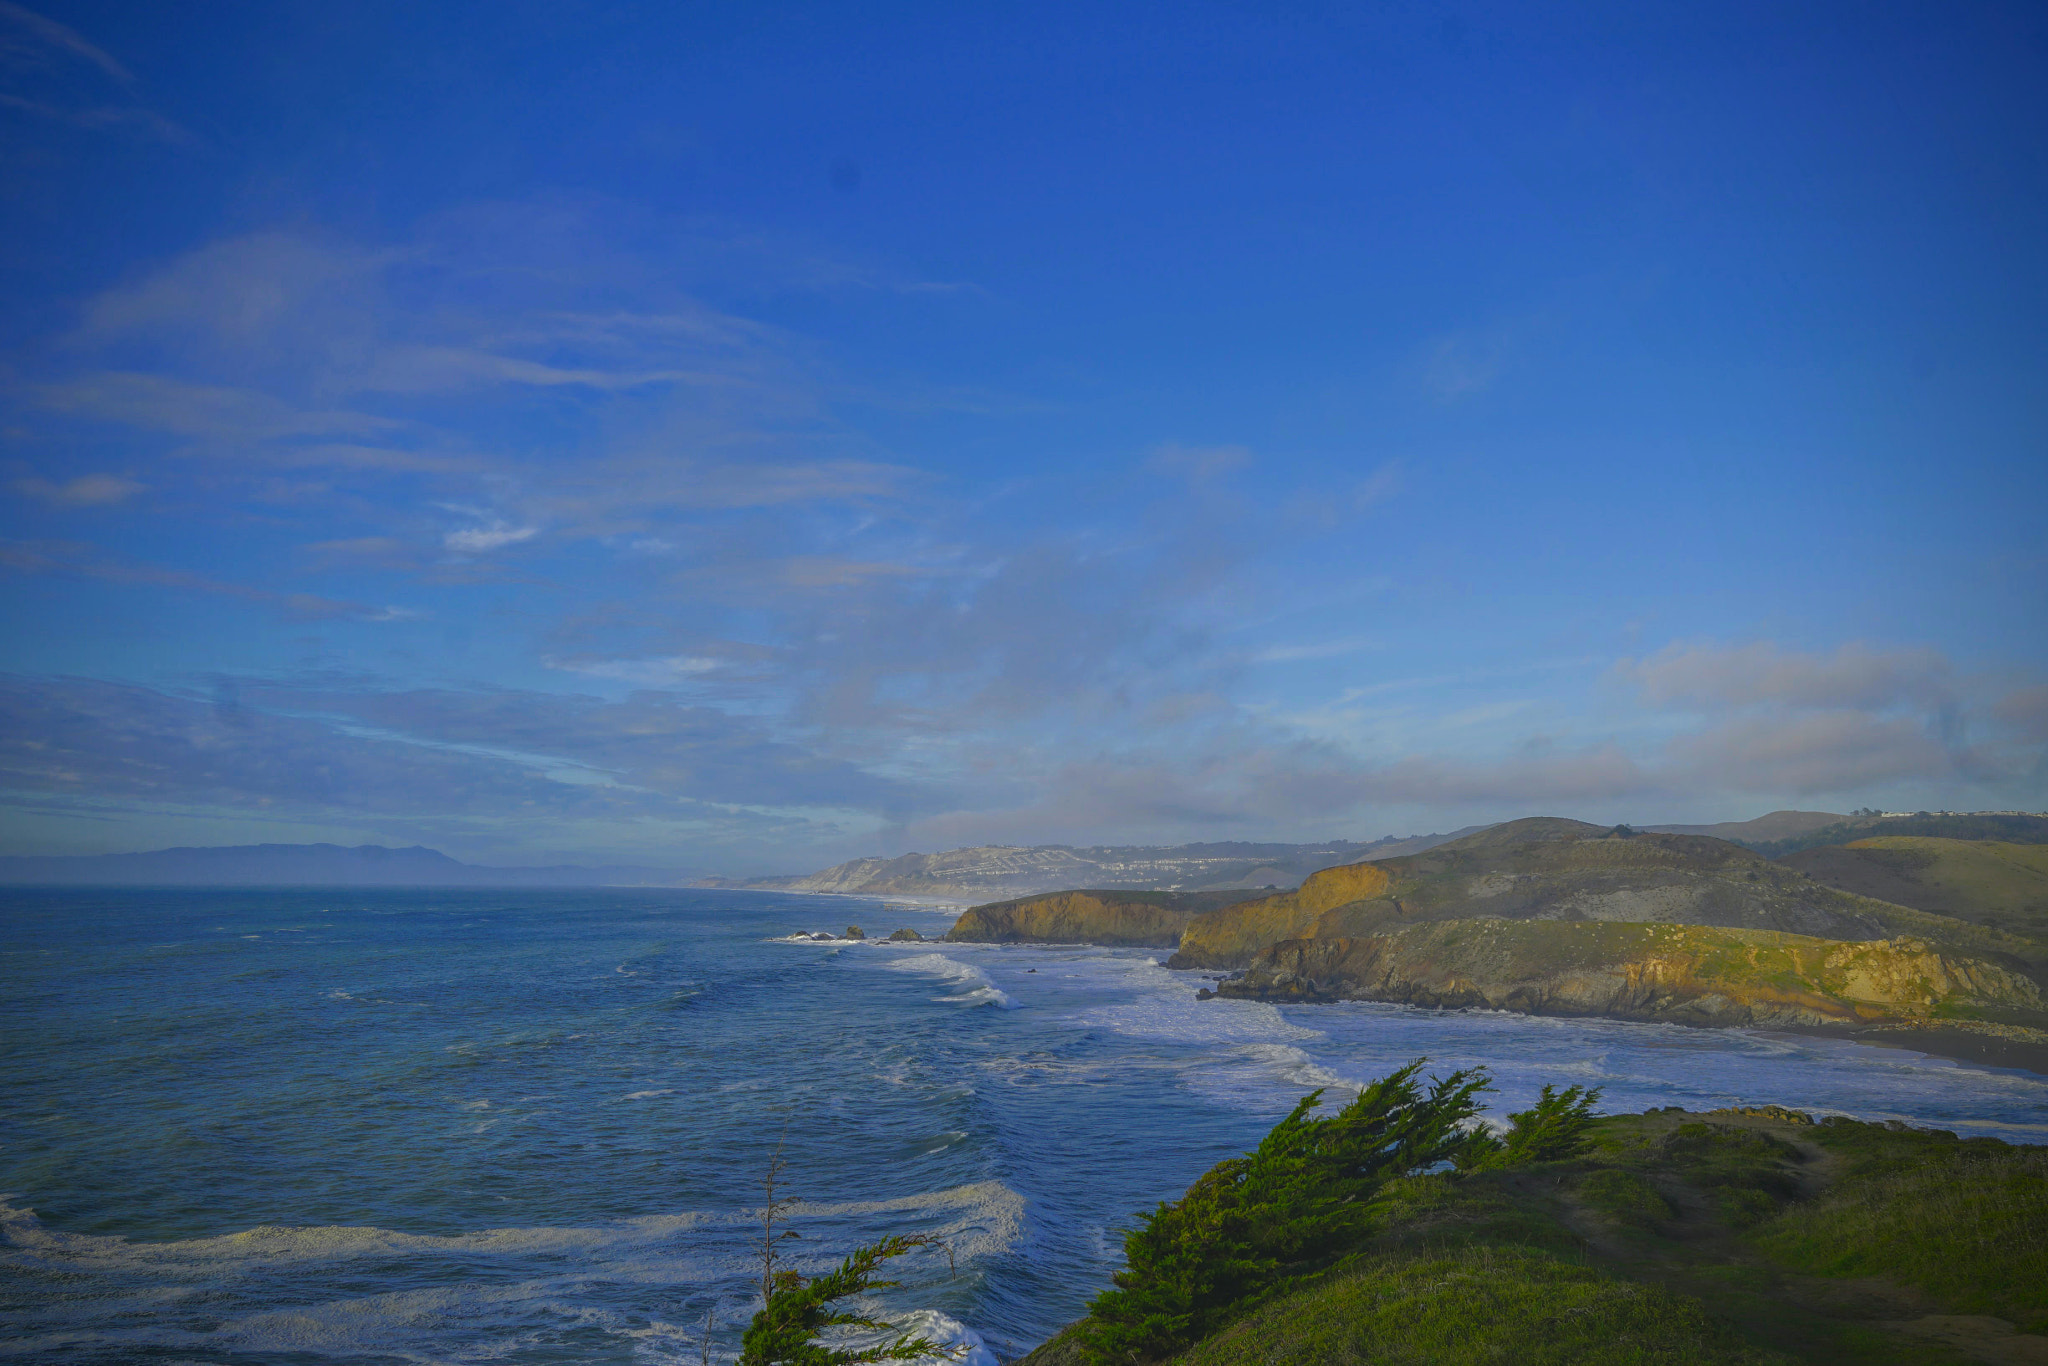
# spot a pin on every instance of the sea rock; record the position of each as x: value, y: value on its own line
x: 854, y: 932
x: 911, y: 935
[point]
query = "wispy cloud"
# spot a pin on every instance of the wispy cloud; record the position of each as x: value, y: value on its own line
x: 1715, y: 677
x: 86, y: 490
x: 664, y: 672
x: 86, y: 562
x: 1462, y: 365
x: 241, y: 420
x: 495, y: 536
x: 51, y: 34
x: 1328, y: 649
x: 35, y: 48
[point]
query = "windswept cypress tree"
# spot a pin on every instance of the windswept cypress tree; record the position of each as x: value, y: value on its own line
x: 1255, y: 1226
x: 1551, y: 1130
x: 797, y: 1310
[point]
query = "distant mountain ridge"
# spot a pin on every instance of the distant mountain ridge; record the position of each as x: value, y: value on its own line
x: 996, y: 872
x: 304, y: 865
x: 1778, y: 825
x: 2010, y: 827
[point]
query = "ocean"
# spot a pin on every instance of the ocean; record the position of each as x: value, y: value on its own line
x: 410, y: 1126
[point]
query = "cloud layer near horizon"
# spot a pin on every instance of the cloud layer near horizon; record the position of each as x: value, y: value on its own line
x: 475, y: 764
x: 551, y: 475
x: 797, y: 644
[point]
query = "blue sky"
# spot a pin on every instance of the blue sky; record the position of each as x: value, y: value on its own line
x: 743, y: 437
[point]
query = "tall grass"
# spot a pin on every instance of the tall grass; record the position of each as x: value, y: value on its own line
x: 1969, y: 1227
x: 1473, y: 1305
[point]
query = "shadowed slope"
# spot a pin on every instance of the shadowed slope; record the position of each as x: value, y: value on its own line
x: 1983, y: 881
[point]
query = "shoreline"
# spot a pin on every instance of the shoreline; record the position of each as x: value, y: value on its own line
x: 1957, y: 1045
x: 1982, y: 1048
x: 919, y: 903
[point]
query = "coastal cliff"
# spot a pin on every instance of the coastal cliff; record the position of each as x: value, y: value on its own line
x: 1673, y: 973
x: 1549, y: 869
x: 1228, y: 937
x: 1150, y: 920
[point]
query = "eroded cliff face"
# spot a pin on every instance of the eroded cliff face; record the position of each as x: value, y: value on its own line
x: 1677, y: 973
x: 1151, y: 920
x: 1228, y: 938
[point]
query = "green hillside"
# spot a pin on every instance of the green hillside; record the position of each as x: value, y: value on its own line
x: 1983, y: 881
x: 1550, y: 869
x: 1729, y: 1237
x: 2011, y: 829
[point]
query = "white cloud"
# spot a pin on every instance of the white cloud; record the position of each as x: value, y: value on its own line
x: 477, y: 540
x: 87, y: 490
x: 1328, y: 649
x: 53, y: 34
x: 1717, y: 677
x: 647, y: 673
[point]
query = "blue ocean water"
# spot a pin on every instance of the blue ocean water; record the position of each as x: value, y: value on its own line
x: 372, y: 1126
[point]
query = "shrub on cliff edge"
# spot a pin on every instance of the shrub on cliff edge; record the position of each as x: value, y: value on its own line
x: 1255, y: 1226
x: 798, y: 1310
x: 1558, y: 1126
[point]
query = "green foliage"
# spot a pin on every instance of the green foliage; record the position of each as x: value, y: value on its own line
x: 797, y: 1310
x: 1442, y: 1210
x: 1726, y: 1156
x: 1555, y: 1128
x: 1740, y: 1208
x: 1625, y: 1198
x: 1966, y: 1222
x: 1255, y: 1226
x: 1478, y: 1305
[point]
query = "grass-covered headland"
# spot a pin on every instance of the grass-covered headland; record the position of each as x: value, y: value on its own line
x: 1394, y: 1230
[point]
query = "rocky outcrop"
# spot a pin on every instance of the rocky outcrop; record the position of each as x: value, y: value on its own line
x: 1228, y: 937
x: 1685, y: 974
x: 1151, y: 920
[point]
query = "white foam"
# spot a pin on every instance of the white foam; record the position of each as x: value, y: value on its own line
x: 643, y: 1095
x: 958, y: 1344
x: 1165, y: 1008
x: 982, y: 1218
x: 980, y: 989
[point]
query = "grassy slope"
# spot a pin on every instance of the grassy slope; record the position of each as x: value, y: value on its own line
x: 2014, y: 829
x: 1561, y: 897
x: 1986, y: 882
x: 1722, y: 1238
x: 1548, y: 869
